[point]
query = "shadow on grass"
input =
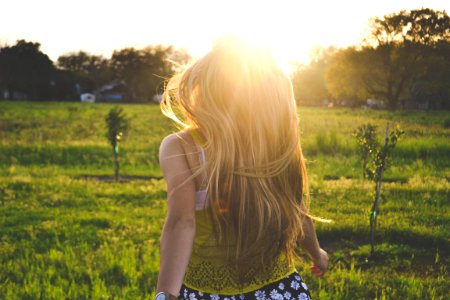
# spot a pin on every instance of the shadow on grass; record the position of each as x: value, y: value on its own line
x: 401, y: 180
x: 343, y: 239
x: 122, y: 178
x: 402, y: 252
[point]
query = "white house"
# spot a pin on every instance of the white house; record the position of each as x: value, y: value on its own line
x: 87, y: 98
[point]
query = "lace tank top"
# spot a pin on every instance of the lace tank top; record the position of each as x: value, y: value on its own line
x: 207, y: 270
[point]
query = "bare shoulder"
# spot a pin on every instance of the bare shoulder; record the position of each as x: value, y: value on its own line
x: 175, y: 141
x: 174, y: 145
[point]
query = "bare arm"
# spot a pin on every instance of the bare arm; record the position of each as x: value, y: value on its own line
x: 312, y: 248
x: 179, y: 229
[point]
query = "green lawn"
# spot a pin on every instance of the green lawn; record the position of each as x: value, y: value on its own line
x: 68, y: 232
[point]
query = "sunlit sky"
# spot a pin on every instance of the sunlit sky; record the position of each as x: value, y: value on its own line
x: 289, y: 28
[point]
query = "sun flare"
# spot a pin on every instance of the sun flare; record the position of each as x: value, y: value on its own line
x: 288, y: 29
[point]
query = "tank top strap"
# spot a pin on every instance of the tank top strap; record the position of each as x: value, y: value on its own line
x: 199, y: 144
x: 202, y: 194
x: 202, y: 155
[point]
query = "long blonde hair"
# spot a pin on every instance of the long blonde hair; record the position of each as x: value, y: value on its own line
x: 242, y: 106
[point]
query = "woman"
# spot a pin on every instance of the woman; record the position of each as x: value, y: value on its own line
x: 236, y: 182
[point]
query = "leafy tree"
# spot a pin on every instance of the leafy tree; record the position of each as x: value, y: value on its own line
x: 157, y: 69
x: 429, y: 32
x: 309, y: 84
x: 309, y: 80
x: 430, y: 85
x: 24, y: 68
x: 65, y: 87
x: 117, y: 127
x: 404, y: 58
x: 402, y: 47
x: 127, y: 64
x: 427, y: 27
x: 90, y: 71
x: 390, y: 63
x: 144, y: 70
x: 344, y: 76
x: 376, y: 159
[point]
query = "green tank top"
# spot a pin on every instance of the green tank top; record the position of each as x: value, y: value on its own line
x: 208, y: 271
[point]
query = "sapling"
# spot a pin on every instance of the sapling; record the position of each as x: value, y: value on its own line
x: 117, y: 125
x: 375, y: 159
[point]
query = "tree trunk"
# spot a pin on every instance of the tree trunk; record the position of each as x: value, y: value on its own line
x: 364, y: 168
x: 392, y: 105
x: 376, y: 203
x: 373, y: 217
x: 116, y: 165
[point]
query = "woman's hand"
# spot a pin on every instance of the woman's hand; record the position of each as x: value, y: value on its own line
x: 311, y: 245
x: 320, y: 264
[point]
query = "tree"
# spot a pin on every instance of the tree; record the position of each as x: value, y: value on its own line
x: 429, y: 31
x: 24, y: 68
x: 309, y: 84
x: 404, y: 59
x: 390, y: 63
x: 90, y: 71
x: 427, y: 27
x: 309, y: 80
x: 401, y: 47
x: 344, y: 76
x: 143, y: 70
x: 375, y: 158
x: 65, y: 87
x: 117, y: 126
x: 430, y: 86
x: 379, y: 165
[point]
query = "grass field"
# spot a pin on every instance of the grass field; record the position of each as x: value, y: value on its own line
x: 68, y: 232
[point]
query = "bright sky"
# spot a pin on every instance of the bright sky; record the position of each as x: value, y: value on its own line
x: 289, y: 28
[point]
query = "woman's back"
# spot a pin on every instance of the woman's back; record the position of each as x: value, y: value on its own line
x: 241, y: 148
x: 209, y: 257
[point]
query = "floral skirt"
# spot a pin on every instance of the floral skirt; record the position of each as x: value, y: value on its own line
x: 290, y: 287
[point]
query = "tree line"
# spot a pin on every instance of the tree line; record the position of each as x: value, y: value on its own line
x: 28, y: 73
x: 403, y: 61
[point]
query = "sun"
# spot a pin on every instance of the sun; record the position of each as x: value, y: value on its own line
x: 289, y: 29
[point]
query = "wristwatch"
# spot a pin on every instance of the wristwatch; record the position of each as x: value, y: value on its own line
x: 165, y: 296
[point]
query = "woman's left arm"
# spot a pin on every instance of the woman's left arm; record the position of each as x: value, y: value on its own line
x: 179, y: 229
